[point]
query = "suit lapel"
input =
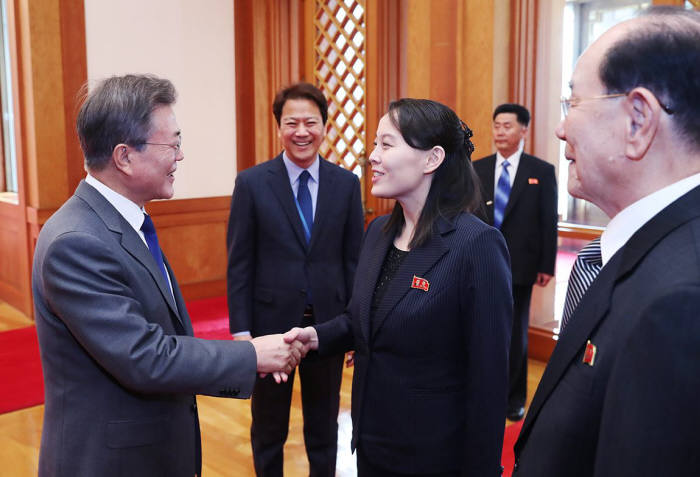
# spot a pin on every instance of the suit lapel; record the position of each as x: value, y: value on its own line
x: 596, y: 302
x: 417, y: 263
x: 590, y: 311
x: 521, y: 176
x: 182, y: 315
x: 377, y: 250
x: 279, y: 183
x: 324, y: 199
x: 130, y: 240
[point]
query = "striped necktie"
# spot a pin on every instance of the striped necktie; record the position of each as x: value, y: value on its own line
x: 500, y: 198
x: 586, y: 267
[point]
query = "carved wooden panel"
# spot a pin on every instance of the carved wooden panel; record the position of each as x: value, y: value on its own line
x: 340, y: 72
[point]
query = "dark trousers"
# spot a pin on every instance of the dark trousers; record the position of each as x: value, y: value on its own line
x: 320, y: 400
x: 365, y: 468
x: 517, y: 375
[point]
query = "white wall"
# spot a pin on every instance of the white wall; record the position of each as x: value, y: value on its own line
x: 192, y: 44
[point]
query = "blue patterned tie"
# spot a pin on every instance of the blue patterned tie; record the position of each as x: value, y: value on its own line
x: 500, y: 198
x: 304, y: 201
x: 586, y: 267
x: 149, y: 231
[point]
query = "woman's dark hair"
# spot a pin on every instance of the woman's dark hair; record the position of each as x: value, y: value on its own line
x: 424, y: 124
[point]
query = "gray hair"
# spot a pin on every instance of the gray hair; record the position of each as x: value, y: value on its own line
x: 118, y: 111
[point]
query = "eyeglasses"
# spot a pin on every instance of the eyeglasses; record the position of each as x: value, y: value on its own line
x: 566, y: 103
x: 176, y: 147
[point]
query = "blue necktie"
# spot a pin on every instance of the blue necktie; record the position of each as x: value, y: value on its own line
x: 304, y: 201
x: 149, y: 231
x: 586, y: 268
x: 500, y: 198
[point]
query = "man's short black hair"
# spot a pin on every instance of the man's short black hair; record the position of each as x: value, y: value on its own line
x: 520, y: 111
x: 300, y: 91
x: 663, y: 56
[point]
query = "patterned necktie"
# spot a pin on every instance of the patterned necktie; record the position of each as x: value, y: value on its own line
x: 304, y: 201
x: 149, y: 231
x: 586, y: 267
x: 500, y: 198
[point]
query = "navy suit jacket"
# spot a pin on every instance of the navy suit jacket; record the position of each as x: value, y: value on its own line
x: 429, y: 386
x: 120, y: 364
x: 635, y: 411
x: 530, y: 219
x: 271, y: 267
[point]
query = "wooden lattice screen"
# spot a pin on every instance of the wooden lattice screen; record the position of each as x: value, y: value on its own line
x: 339, y: 55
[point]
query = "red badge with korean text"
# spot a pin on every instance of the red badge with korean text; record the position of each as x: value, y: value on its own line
x: 589, y: 354
x: 420, y: 283
x: 533, y: 180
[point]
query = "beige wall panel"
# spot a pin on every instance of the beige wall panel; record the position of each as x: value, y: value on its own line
x: 192, y: 44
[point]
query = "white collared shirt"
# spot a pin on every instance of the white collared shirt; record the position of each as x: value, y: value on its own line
x: 131, y: 212
x: 513, y: 160
x: 295, y: 171
x: 633, y: 217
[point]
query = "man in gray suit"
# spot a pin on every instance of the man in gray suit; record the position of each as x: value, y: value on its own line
x: 121, y: 365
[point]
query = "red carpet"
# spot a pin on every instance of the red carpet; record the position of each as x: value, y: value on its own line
x: 20, y: 370
x: 509, y: 438
x: 20, y: 366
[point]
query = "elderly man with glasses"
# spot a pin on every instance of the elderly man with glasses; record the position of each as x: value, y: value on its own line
x: 619, y: 395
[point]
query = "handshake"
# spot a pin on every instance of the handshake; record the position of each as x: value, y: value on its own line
x: 279, y: 354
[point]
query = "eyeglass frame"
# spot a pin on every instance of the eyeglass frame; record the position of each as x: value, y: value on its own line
x: 177, y: 147
x: 566, y: 102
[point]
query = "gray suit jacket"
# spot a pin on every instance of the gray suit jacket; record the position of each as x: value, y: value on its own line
x: 121, y: 366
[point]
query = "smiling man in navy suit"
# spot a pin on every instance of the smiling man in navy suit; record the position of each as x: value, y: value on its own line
x: 527, y: 190
x: 619, y: 396
x: 293, y: 243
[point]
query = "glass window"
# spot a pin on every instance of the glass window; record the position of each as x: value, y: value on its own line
x: 584, y: 22
x: 8, y: 160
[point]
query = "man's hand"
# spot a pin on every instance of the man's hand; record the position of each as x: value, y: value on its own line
x: 306, y: 337
x: 277, y: 356
x: 543, y: 279
x: 349, y: 359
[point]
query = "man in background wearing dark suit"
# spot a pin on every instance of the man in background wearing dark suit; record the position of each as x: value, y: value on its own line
x: 619, y: 396
x: 520, y: 194
x: 120, y: 364
x: 293, y: 243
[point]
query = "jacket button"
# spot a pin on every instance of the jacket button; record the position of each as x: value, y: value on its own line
x: 194, y: 407
x: 515, y: 467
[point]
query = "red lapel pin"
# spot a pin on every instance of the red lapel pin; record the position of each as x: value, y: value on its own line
x: 420, y: 283
x: 589, y: 354
x: 533, y: 180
